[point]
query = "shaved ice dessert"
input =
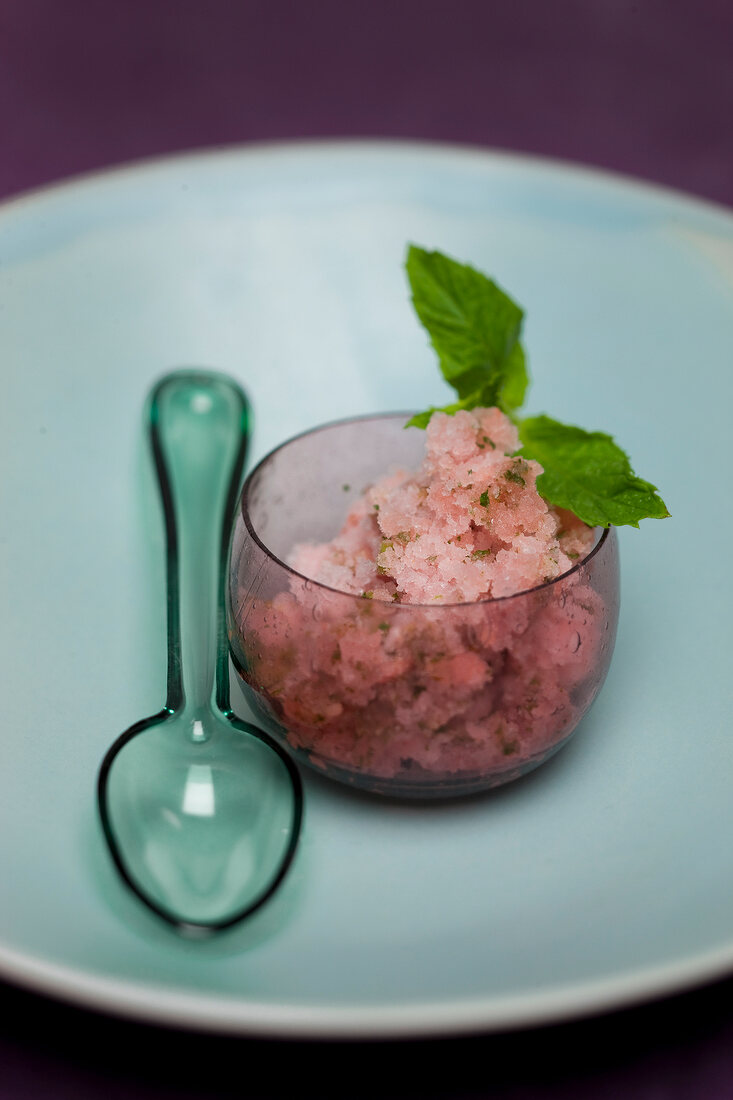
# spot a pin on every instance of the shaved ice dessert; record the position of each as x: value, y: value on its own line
x: 427, y: 614
x: 432, y: 630
x: 468, y: 525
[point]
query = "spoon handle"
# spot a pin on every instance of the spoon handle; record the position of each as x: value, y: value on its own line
x: 199, y: 429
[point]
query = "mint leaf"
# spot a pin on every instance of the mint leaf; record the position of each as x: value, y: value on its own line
x: 474, y: 327
x: 516, y: 380
x: 421, y: 420
x: 587, y: 473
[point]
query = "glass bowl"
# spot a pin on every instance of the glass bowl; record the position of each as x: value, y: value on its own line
x: 403, y: 699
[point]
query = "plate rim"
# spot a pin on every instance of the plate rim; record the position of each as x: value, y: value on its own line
x: 229, y: 1015
x: 224, y: 1014
x: 498, y: 155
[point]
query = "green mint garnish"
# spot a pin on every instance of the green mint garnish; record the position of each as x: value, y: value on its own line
x: 589, y: 474
x: 475, y: 329
x: 512, y: 475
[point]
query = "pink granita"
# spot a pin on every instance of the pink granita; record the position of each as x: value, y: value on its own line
x: 468, y: 525
x: 400, y: 655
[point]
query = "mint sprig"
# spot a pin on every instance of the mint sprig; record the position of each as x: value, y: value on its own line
x: 475, y: 328
x: 587, y: 473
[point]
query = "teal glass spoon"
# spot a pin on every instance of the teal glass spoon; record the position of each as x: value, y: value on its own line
x: 201, y: 811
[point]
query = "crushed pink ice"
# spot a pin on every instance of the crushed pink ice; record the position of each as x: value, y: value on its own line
x: 465, y: 684
x: 468, y: 525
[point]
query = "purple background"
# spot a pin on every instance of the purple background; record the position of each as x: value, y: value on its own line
x: 638, y: 86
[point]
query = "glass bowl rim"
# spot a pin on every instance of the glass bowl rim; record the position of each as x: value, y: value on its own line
x: 366, y: 418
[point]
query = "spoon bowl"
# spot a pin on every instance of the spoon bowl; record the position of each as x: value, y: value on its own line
x: 198, y: 823
x: 201, y: 810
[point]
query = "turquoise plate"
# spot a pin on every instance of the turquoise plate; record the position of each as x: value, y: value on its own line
x: 604, y: 878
